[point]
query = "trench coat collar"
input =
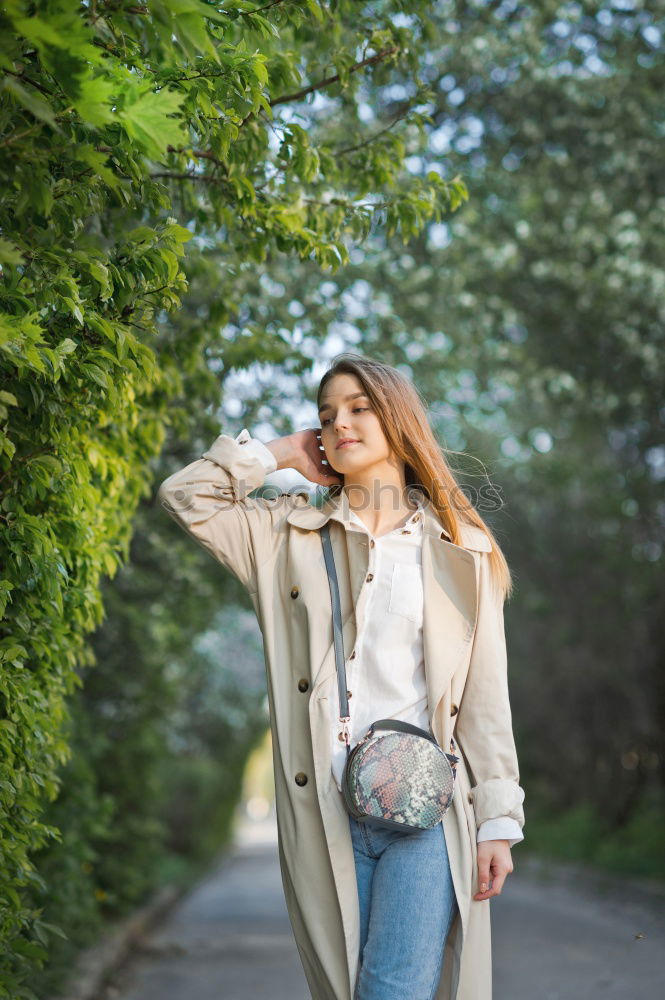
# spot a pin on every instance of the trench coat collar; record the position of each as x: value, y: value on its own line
x: 450, y: 598
x: 337, y: 508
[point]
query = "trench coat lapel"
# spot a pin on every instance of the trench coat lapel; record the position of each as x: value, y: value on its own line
x: 450, y: 596
x: 450, y: 605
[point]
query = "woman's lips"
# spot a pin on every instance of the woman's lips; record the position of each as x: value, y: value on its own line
x: 347, y: 444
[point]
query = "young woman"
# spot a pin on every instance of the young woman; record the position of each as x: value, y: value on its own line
x: 377, y: 914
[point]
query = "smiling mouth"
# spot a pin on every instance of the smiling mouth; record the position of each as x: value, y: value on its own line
x: 346, y: 444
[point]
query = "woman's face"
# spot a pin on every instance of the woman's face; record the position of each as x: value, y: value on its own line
x: 347, y: 413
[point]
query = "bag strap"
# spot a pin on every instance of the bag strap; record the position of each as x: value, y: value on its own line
x: 338, y: 637
x: 403, y: 727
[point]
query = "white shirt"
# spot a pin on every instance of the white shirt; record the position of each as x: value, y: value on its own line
x: 385, y: 671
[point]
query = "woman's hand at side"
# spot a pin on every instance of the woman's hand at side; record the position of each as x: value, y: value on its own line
x: 302, y: 451
x: 494, y: 862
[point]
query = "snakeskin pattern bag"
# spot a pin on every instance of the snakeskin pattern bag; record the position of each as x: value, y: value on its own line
x: 397, y: 775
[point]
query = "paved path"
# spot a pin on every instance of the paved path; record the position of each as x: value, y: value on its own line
x: 560, y: 934
x: 568, y: 937
x: 228, y: 939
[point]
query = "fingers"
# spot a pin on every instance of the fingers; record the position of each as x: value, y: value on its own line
x: 492, y: 871
x: 494, y: 887
x: 497, y: 882
x: 324, y: 465
x: 484, y: 891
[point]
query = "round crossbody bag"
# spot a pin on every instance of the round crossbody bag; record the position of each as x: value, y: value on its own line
x: 397, y: 775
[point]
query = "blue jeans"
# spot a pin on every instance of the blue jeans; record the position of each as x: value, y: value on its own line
x: 407, y: 907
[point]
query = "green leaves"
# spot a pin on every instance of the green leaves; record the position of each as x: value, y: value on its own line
x: 35, y: 104
x: 146, y: 119
x: 9, y: 254
x: 95, y: 99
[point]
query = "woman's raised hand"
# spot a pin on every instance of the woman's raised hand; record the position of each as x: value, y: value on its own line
x: 302, y: 451
x: 311, y: 459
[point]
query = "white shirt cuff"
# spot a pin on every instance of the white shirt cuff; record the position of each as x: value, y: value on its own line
x: 258, y: 450
x: 501, y: 828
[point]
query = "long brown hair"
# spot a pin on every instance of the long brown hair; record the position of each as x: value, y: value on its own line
x: 402, y: 413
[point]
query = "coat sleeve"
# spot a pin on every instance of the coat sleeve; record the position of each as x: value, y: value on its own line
x: 209, y: 499
x: 484, y: 723
x: 501, y: 828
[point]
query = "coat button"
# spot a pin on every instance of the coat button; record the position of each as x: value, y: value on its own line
x: 370, y: 576
x: 294, y: 591
x: 372, y: 543
x: 454, y: 709
x: 470, y: 797
x: 301, y: 778
x: 348, y: 694
x: 303, y: 684
x: 340, y: 736
x: 353, y: 655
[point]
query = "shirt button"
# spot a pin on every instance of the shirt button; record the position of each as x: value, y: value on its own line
x: 340, y: 736
x: 416, y: 517
x: 372, y: 543
x: 370, y: 576
x: 301, y: 778
x: 348, y: 694
x: 406, y: 531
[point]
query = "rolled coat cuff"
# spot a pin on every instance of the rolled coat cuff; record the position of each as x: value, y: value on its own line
x: 257, y: 448
x: 498, y: 797
x: 502, y: 828
x: 247, y: 469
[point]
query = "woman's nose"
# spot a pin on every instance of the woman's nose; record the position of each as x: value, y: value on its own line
x: 341, y: 423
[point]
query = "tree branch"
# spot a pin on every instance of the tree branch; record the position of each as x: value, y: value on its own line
x: 346, y: 203
x: 202, y: 154
x: 22, y: 76
x: 299, y: 94
x: 248, y: 13
x: 206, y: 178
x: 372, y: 138
x: 20, y: 135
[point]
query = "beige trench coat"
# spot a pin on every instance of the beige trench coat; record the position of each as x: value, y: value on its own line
x: 274, y: 548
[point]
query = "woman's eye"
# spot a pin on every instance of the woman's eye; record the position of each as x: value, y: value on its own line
x: 356, y: 409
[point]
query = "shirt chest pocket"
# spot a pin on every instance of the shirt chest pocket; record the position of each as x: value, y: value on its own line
x: 406, y: 591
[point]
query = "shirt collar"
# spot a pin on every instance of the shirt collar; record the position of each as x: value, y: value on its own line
x: 410, y: 526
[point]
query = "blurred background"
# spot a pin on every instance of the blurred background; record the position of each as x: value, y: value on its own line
x: 200, y: 208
